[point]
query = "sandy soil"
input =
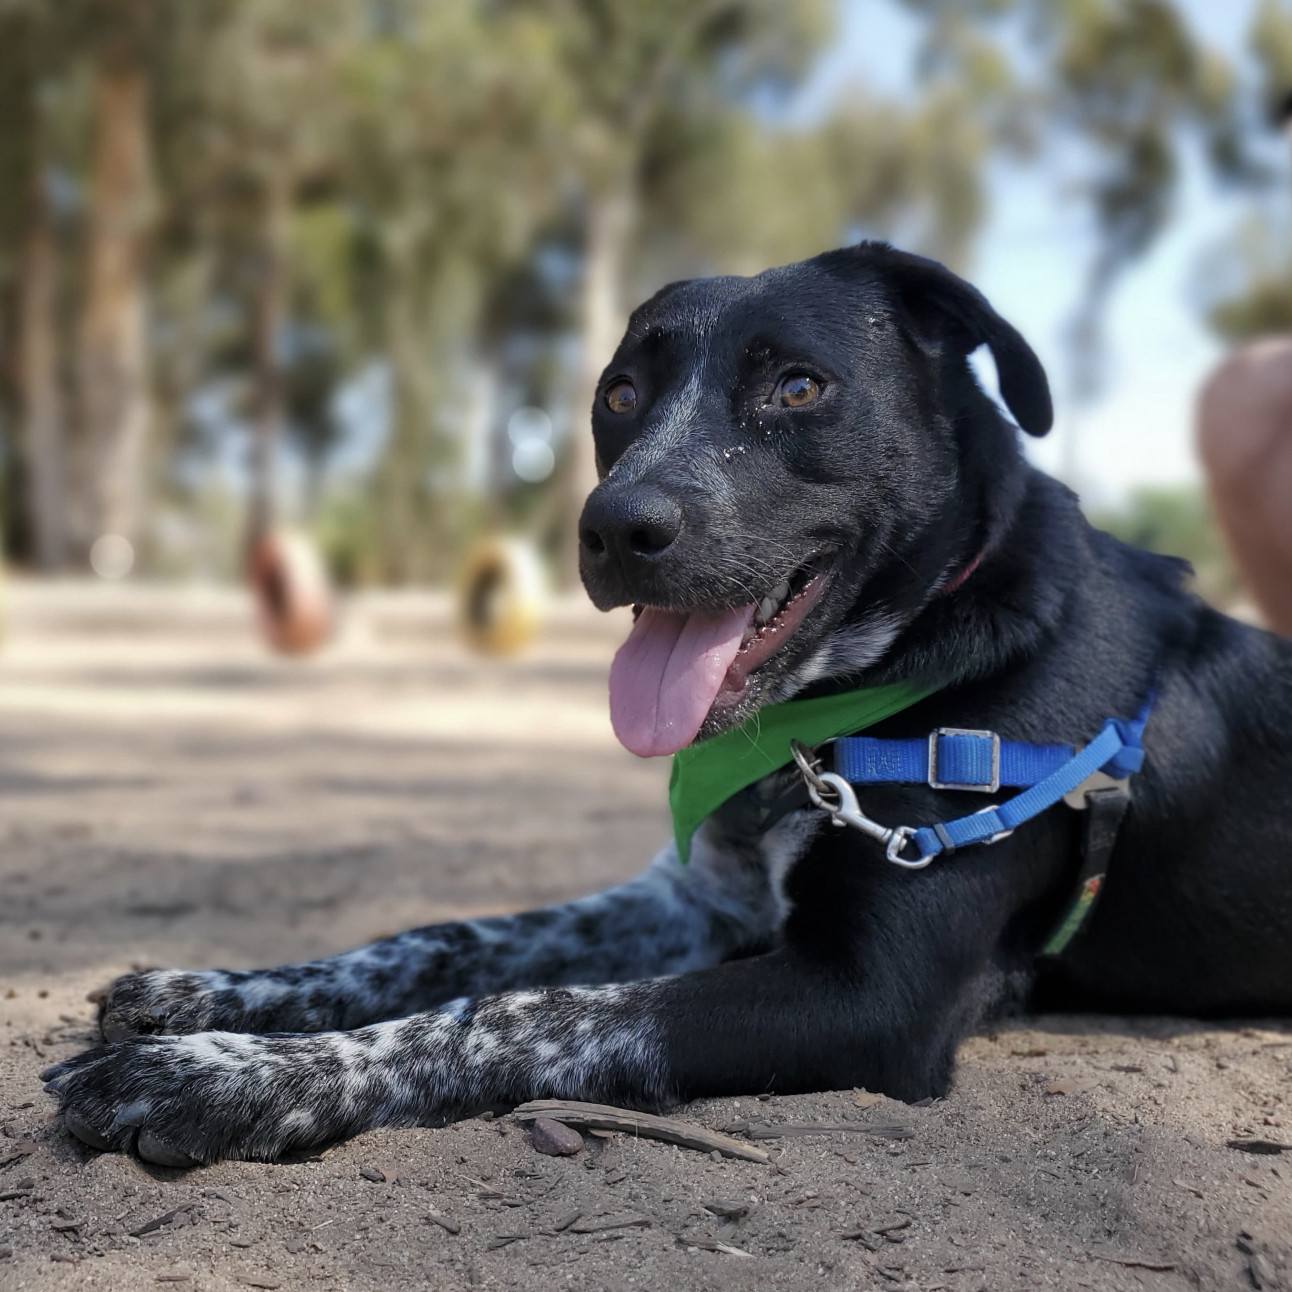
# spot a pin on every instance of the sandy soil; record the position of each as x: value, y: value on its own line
x: 172, y: 796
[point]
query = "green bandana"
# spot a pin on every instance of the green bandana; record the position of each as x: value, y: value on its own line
x: 705, y: 776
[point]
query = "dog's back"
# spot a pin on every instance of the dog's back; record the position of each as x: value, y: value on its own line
x: 1196, y: 914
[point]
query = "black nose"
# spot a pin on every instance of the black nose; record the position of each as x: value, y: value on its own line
x: 628, y: 525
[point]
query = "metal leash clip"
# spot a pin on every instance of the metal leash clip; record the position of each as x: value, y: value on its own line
x: 832, y: 793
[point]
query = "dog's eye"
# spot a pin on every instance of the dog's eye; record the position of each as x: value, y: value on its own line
x: 621, y: 397
x: 796, y: 390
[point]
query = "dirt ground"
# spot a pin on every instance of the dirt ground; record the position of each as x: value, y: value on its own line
x: 170, y: 795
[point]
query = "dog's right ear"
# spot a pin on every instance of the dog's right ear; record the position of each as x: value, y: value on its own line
x: 948, y: 313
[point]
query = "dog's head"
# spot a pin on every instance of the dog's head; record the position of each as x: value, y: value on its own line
x: 792, y: 466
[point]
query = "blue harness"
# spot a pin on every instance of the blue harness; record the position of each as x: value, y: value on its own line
x: 952, y: 758
x: 1094, y: 777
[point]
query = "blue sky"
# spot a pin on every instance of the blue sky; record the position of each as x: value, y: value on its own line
x: 1030, y: 260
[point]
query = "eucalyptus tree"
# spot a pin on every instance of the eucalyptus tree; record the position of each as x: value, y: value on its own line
x: 249, y: 128
x: 450, y: 119
x: 1250, y: 293
x: 113, y: 394
x: 1113, y: 91
x: 740, y: 195
x: 33, y: 45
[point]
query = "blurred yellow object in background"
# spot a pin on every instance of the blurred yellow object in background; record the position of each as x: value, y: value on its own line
x: 501, y: 595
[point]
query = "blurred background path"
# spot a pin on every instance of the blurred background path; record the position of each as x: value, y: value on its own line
x: 171, y: 793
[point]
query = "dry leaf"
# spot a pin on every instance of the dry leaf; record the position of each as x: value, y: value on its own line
x: 733, y: 1251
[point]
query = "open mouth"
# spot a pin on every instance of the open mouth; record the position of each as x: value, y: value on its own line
x: 777, y: 616
x: 677, y: 666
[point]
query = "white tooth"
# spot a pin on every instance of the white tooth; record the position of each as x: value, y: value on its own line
x: 767, y: 608
x: 781, y: 591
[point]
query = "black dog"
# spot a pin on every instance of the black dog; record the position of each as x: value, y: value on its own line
x: 808, y: 492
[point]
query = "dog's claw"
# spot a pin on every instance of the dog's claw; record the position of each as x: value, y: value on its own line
x: 85, y: 1133
x: 159, y: 1153
x: 153, y: 1002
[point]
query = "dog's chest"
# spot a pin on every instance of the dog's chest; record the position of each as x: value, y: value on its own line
x: 750, y: 846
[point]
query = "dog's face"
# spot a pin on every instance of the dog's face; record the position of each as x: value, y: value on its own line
x: 782, y: 467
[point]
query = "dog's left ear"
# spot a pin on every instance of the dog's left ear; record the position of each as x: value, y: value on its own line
x: 949, y: 312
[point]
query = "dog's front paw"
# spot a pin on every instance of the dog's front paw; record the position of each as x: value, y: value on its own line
x: 183, y: 1100
x: 162, y: 1001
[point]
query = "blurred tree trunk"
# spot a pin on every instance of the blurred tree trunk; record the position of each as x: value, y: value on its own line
x: 113, y: 367
x: 609, y: 227
x: 269, y: 312
x: 37, y: 370
x: 401, y: 474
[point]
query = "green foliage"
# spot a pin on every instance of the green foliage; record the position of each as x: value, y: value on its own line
x: 1264, y: 307
x: 348, y: 538
x: 1115, y: 87
x: 1271, y: 42
x: 1177, y: 521
x: 1249, y: 287
x: 411, y: 162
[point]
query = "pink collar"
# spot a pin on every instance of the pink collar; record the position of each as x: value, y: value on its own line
x: 958, y: 580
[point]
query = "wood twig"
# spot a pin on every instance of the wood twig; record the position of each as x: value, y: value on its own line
x: 713, y: 1245
x: 648, y: 1125
x: 1135, y: 1263
x: 1259, y: 1146
x: 603, y: 1224
x: 786, y: 1130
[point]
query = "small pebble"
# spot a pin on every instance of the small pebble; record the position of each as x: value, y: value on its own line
x: 728, y: 1210
x: 554, y: 1138
x: 372, y: 1173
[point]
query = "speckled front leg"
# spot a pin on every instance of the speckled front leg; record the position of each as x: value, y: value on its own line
x: 669, y: 919
x: 182, y: 1100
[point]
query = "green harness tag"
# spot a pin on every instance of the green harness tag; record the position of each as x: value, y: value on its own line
x: 705, y: 776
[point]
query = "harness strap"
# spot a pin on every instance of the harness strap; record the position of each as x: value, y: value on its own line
x: 1105, y: 811
x: 953, y: 758
x: 950, y: 758
x: 1108, y: 752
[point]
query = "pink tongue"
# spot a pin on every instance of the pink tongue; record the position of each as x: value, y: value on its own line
x: 667, y: 674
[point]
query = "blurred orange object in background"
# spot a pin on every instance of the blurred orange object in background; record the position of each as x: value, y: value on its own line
x: 294, y: 603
